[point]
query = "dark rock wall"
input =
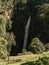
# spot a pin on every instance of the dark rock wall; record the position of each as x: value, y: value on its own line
x: 20, y: 17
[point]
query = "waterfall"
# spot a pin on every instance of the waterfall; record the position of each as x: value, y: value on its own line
x: 26, y: 33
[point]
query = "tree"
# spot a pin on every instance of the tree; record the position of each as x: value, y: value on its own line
x: 2, y: 26
x: 5, y: 4
x: 6, y: 23
x: 11, y: 41
x: 3, y: 48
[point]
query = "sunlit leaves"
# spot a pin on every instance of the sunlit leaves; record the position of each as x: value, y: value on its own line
x: 2, y: 26
x: 3, y: 47
x: 4, y: 4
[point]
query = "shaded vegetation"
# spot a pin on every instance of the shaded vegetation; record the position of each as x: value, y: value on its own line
x: 37, y: 46
x: 5, y: 4
x: 5, y: 28
x: 3, y: 48
x: 13, y: 22
x: 40, y: 61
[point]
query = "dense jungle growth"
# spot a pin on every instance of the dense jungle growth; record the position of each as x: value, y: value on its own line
x: 15, y: 24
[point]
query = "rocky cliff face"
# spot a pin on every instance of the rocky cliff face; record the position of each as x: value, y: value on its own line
x: 20, y: 16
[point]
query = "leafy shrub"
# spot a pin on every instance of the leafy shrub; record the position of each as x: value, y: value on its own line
x: 42, y: 20
x: 4, y: 4
x: 40, y: 61
x: 2, y: 26
x: 47, y: 46
x: 11, y: 41
x: 37, y: 46
x: 5, y: 24
x: 43, y: 61
x: 3, y: 47
x: 2, y: 20
x: 43, y: 11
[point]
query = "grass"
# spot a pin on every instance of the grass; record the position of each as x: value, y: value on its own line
x: 41, y: 59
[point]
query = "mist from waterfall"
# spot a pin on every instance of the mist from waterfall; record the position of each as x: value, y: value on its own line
x: 26, y: 33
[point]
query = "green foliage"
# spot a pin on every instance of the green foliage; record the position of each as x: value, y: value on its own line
x: 37, y: 46
x: 5, y: 24
x: 40, y: 61
x: 47, y: 46
x: 41, y: 21
x: 2, y: 26
x: 2, y: 20
x: 9, y: 25
x: 43, y: 11
x: 3, y: 47
x: 5, y: 10
x: 11, y: 41
x: 10, y: 38
x: 4, y: 4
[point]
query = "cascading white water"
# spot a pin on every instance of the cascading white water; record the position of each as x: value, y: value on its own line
x: 26, y: 33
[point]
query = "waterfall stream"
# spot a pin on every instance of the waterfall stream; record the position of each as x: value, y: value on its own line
x: 26, y: 33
